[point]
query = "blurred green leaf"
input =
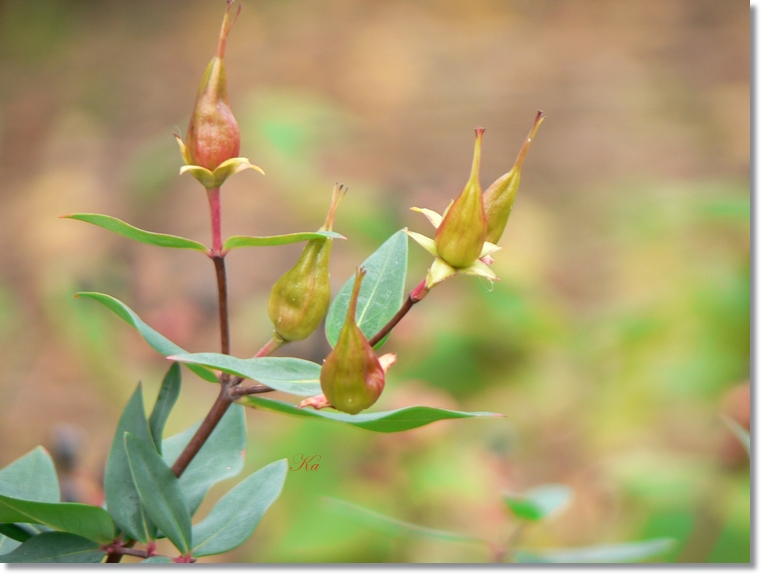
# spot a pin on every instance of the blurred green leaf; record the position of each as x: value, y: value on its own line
x: 260, y: 241
x: 124, y: 229
x: 157, y: 559
x: 31, y: 477
x: 222, y: 455
x: 539, y: 502
x: 739, y: 432
x: 152, y: 337
x: 382, y: 421
x: 621, y: 553
x: 236, y: 515
x: 56, y: 548
x: 287, y: 374
x: 168, y: 394
x: 396, y: 527
x: 381, y: 292
x: 122, y: 498
x: 7, y: 545
x: 15, y: 532
x: 159, y: 491
x: 86, y: 520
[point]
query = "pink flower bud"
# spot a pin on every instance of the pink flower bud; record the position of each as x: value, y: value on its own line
x: 213, y: 135
x: 460, y: 237
x: 353, y: 376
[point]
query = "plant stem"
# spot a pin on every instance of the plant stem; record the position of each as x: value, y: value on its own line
x: 413, y: 298
x: 274, y: 343
x: 213, y: 195
x: 115, y: 555
x: 222, y: 292
x: 134, y: 552
x: 251, y: 390
x: 224, y: 400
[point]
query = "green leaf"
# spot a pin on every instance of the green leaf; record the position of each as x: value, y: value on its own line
x: 740, y: 433
x: 56, y: 548
x: 16, y: 532
x: 122, y: 498
x: 539, y: 502
x: 85, y: 520
x: 381, y: 292
x: 287, y: 374
x: 152, y: 337
x: 128, y: 231
x: 7, y: 545
x: 381, y: 421
x: 31, y: 477
x: 260, y: 241
x: 222, y: 455
x: 168, y: 394
x: 235, y: 516
x: 396, y: 527
x: 621, y: 553
x: 159, y: 491
x: 158, y: 559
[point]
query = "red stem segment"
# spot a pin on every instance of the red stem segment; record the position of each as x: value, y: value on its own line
x: 413, y: 298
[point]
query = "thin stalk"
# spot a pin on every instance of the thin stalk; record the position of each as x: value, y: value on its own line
x: 413, y: 298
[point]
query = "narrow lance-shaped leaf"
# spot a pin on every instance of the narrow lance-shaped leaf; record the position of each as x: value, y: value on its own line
x: 55, y: 547
x: 160, y: 492
x: 235, y: 517
x: 31, y: 477
x: 620, y: 553
x: 396, y: 527
x: 168, y: 394
x: 539, y: 502
x: 158, y: 559
x: 124, y: 229
x: 16, y: 532
x: 262, y: 241
x: 85, y: 520
x: 381, y: 293
x: 122, y: 498
x: 287, y: 374
x: 382, y: 421
x: 222, y: 455
x: 152, y: 337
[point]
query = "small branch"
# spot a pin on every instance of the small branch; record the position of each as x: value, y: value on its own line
x: 274, y: 343
x: 224, y: 400
x: 413, y: 298
x: 251, y: 390
x: 215, y: 210
x: 134, y: 552
x: 114, y: 555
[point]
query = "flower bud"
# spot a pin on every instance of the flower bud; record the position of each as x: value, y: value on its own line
x: 213, y: 135
x: 499, y: 197
x: 299, y: 300
x: 460, y: 237
x: 353, y: 377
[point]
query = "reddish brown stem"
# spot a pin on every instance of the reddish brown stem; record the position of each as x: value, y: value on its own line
x: 215, y: 209
x: 413, y: 298
x: 222, y: 293
x: 224, y: 400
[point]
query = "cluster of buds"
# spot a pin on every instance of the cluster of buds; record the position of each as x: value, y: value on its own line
x: 353, y: 376
x: 468, y: 231
x: 299, y: 300
x: 213, y: 141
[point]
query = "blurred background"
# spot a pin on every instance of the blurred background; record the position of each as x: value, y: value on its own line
x: 618, y: 335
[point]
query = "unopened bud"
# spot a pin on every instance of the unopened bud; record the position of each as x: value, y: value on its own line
x: 299, y: 300
x: 460, y: 237
x: 213, y: 134
x: 353, y: 376
x: 499, y: 197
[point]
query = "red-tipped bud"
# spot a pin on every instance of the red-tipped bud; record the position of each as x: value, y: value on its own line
x: 299, y: 300
x: 213, y: 134
x: 460, y: 237
x: 499, y: 197
x: 353, y: 376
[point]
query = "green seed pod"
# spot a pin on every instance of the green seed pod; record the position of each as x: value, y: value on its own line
x: 299, y: 300
x: 499, y: 197
x: 352, y: 377
x: 460, y: 237
x: 213, y: 135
